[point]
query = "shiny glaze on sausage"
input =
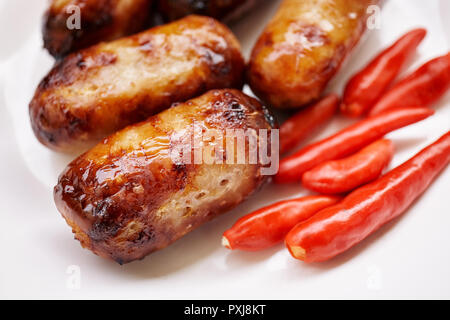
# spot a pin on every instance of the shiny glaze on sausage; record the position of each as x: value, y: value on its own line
x: 100, y: 20
x: 303, y: 47
x: 97, y: 91
x: 127, y: 197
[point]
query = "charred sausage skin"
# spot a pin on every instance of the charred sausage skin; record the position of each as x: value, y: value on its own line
x: 126, y: 197
x: 97, y: 91
x: 100, y: 20
x: 220, y: 9
x: 303, y: 47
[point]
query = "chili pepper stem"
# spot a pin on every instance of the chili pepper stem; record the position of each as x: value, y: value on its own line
x: 298, y: 252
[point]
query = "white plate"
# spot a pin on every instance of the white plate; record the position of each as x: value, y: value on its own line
x: 409, y: 258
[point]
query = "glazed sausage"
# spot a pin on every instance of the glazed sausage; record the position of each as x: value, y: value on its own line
x: 128, y: 197
x: 100, y: 20
x: 303, y: 47
x: 220, y: 9
x: 97, y: 91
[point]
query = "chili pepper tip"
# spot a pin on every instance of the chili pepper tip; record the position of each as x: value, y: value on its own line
x: 352, y: 110
x: 226, y: 243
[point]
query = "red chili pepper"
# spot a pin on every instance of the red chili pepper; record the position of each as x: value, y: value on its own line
x: 420, y: 89
x: 337, y: 228
x: 299, y: 126
x: 347, y: 141
x: 367, y: 86
x: 338, y: 176
x: 269, y: 225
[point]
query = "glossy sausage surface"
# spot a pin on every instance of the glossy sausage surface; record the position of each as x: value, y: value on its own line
x: 303, y: 47
x: 220, y: 9
x: 99, y: 20
x: 127, y: 197
x: 97, y: 91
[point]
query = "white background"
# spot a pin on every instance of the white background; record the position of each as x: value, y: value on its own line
x: 408, y: 258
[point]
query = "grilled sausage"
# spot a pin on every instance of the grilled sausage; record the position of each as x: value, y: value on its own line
x: 303, y: 47
x: 128, y: 196
x: 220, y: 9
x: 93, y: 93
x: 100, y: 20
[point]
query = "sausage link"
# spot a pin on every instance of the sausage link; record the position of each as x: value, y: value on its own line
x: 95, y: 92
x: 303, y: 47
x: 99, y: 20
x: 128, y: 196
